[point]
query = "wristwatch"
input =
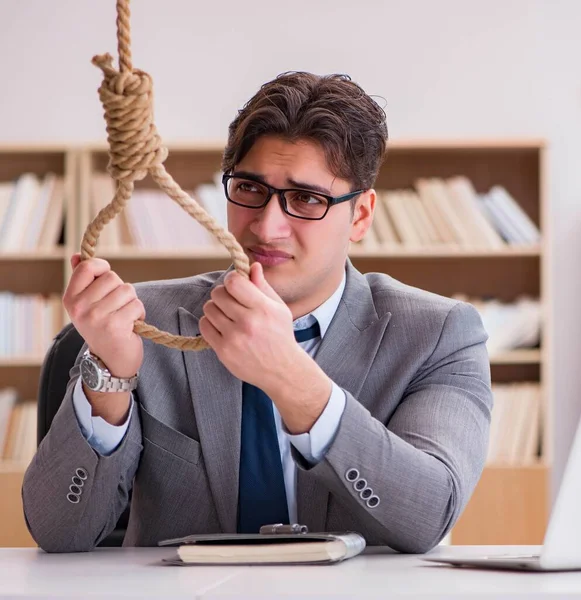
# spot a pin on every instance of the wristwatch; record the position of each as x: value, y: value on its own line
x: 97, y: 377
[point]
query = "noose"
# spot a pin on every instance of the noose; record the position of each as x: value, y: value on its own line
x: 135, y: 149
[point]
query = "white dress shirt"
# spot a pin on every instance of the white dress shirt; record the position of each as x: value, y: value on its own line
x: 105, y: 438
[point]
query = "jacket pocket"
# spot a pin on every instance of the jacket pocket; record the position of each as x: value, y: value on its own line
x: 168, y: 438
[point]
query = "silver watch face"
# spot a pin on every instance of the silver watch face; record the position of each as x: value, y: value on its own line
x: 91, y: 374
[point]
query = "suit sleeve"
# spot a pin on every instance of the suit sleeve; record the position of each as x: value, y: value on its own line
x: 424, y: 464
x: 62, y: 518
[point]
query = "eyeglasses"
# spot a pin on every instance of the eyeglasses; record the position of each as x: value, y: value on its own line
x: 301, y: 204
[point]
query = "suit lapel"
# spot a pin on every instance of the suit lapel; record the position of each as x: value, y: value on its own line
x: 217, y: 399
x: 345, y: 355
x: 217, y: 396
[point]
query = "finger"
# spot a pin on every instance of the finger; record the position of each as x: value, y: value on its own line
x: 210, y: 333
x: 75, y: 259
x: 131, y: 312
x: 228, y: 304
x: 85, y: 274
x: 101, y: 287
x: 257, y: 277
x: 217, y: 318
x: 111, y: 303
x: 243, y: 290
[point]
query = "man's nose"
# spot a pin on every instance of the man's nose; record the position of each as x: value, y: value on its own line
x: 271, y: 221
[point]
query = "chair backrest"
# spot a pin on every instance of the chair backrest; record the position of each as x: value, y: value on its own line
x: 54, y: 377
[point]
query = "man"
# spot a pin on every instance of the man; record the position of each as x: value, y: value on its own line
x: 334, y: 399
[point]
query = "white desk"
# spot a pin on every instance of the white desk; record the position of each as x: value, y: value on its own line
x: 136, y: 573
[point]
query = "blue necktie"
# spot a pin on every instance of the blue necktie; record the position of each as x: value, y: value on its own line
x: 262, y: 494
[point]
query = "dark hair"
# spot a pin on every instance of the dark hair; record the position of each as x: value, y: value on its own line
x: 331, y: 110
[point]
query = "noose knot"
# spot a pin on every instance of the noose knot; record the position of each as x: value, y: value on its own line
x: 135, y: 149
x: 134, y: 144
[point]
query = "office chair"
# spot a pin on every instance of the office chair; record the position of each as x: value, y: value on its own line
x: 54, y: 377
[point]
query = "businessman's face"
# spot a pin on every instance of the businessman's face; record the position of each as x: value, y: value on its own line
x: 303, y: 260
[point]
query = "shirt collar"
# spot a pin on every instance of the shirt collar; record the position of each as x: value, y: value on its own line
x: 324, y: 313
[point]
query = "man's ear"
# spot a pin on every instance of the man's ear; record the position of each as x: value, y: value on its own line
x: 363, y: 215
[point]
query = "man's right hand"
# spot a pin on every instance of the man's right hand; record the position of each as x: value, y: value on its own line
x: 103, y: 309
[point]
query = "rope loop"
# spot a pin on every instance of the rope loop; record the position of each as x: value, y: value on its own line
x: 136, y: 150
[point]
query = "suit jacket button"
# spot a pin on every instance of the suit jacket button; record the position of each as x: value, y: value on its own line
x: 373, y: 501
x: 75, y: 489
x: 81, y: 473
x: 360, y: 484
x: 352, y: 475
x: 366, y: 493
x: 73, y: 498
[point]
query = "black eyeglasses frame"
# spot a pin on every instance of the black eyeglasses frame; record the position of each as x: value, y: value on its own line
x: 331, y: 200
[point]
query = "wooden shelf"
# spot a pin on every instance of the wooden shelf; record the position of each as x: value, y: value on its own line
x: 481, y: 276
x: 510, y: 504
x: 218, y: 252
x: 10, y: 466
x: 33, y: 273
x: 11, y: 362
x: 514, y: 357
x: 537, y: 465
x: 53, y: 254
x: 447, y: 252
x: 136, y: 254
x: 13, y: 531
x: 217, y: 145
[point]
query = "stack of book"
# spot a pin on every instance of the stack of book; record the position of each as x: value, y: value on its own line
x: 152, y: 220
x: 510, y: 325
x: 17, y: 427
x: 28, y: 323
x: 32, y: 212
x: 447, y: 214
x: 515, y: 426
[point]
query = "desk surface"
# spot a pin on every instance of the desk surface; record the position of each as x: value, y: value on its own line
x: 137, y: 573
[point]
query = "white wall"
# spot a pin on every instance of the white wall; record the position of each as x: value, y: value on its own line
x: 448, y: 68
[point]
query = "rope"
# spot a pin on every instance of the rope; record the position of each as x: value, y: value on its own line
x: 135, y: 149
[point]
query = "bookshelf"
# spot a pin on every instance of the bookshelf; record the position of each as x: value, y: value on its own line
x: 511, y: 502
x: 32, y: 272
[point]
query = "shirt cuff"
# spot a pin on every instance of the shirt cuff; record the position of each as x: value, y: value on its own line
x: 102, y: 436
x: 314, y: 444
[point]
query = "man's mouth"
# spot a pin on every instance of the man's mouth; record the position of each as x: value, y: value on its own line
x: 268, y: 257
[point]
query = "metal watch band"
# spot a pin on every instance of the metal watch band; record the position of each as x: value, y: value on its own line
x: 115, y: 384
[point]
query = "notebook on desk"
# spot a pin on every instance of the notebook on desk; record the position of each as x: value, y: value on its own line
x: 275, y: 545
x: 561, y: 549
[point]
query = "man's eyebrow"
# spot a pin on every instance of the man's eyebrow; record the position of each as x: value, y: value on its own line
x: 310, y: 186
x: 293, y: 182
x: 250, y: 175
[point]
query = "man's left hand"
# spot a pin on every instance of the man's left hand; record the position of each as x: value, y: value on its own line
x: 250, y: 328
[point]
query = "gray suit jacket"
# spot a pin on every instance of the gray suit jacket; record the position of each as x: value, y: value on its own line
x: 416, y: 374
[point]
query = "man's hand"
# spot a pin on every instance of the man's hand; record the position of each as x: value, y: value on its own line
x: 250, y: 328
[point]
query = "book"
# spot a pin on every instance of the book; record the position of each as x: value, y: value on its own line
x: 516, y: 423
x: 53, y: 220
x: 404, y: 226
x: 28, y: 323
x: 384, y: 227
x: 23, y: 200
x: 526, y: 230
x: 464, y: 198
x: 8, y: 398
x: 265, y: 548
x: 430, y: 203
